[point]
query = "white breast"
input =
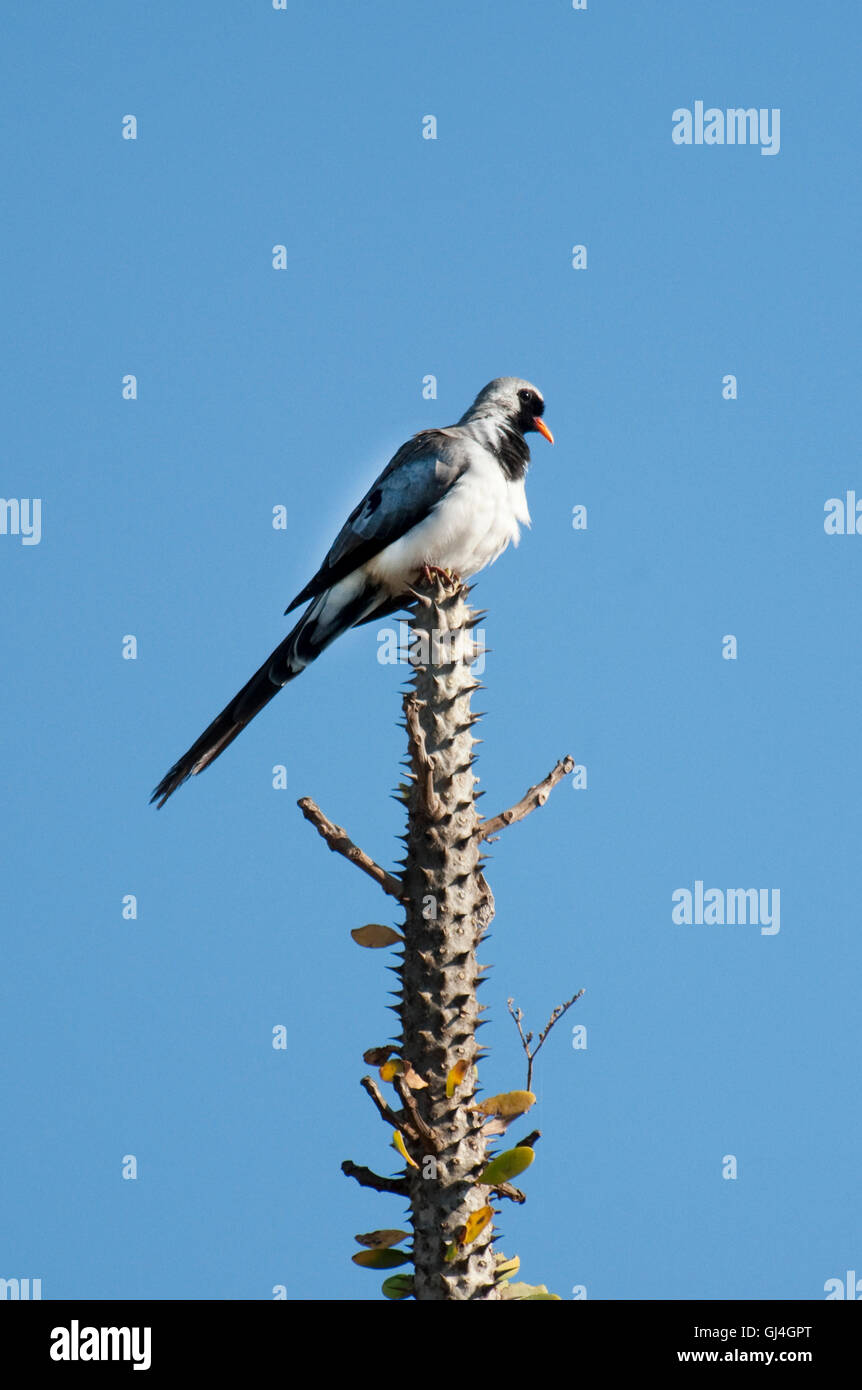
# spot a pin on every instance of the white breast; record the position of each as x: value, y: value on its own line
x: 466, y: 531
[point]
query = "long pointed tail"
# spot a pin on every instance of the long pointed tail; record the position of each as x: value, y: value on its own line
x: 248, y: 702
x: 324, y: 620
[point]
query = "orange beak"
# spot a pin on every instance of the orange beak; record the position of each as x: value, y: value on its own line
x: 543, y: 428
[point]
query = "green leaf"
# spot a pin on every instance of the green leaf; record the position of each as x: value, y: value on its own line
x: 381, y: 1259
x: 398, y: 1286
x: 506, y: 1166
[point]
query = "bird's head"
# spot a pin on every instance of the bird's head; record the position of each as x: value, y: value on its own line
x: 510, y: 402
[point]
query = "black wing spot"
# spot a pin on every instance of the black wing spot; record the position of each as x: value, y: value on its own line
x: 374, y: 500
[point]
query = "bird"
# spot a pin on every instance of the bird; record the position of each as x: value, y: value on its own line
x: 449, y: 501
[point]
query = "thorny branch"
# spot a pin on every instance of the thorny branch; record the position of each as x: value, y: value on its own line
x: 443, y: 854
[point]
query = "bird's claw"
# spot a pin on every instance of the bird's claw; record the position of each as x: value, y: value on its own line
x: 446, y: 576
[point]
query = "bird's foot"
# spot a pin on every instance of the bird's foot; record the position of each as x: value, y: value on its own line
x: 447, y: 577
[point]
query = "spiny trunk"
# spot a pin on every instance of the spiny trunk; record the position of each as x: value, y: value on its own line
x: 448, y: 906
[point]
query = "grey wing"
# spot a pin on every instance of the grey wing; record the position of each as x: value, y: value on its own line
x: 411, y: 484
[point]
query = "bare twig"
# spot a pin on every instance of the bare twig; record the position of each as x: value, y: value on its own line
x: 427, y: 1136
x: 433, y: 804
x: 555, y: 1017
x: 530, y: 1140
x: 416, y: 1129
x: 386, y: 1112
x: 536, y: 796
x: 528, y: 1038
x: 514, y: 1194
x: 517, y: 1016
x: 365, y: 1178
x: 340, y: 843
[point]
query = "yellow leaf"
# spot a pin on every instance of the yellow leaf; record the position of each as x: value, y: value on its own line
x: 398, y: 1141
x: 391, y: 1068
x: 506, y: 1166
x: 375, y: 935
x: 509, y: 1105
x: 456, y: 1076
x: 476, y: 1222
x: 505, y: 1267
x: 380, y: 1240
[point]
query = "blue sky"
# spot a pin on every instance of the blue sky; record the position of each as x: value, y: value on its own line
x: 256, y: 387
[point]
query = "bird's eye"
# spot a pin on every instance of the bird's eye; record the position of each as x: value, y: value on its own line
x: 525, y: 397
